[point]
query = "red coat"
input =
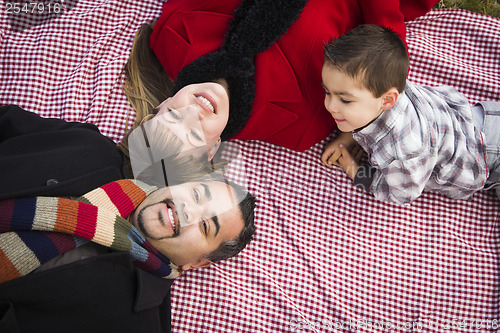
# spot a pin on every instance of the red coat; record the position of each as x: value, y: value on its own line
x: 288, y: 109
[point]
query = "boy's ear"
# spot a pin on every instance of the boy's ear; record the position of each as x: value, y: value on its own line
x: 389, y: 98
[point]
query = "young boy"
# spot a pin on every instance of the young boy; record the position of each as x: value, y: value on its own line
x: 416, y: 137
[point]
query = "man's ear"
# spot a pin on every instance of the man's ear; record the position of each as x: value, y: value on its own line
x: 389, y: 98
x: 203, y: 262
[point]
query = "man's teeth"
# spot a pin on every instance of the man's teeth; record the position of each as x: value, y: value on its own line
x: 171, y: 216
x: 207, y: 102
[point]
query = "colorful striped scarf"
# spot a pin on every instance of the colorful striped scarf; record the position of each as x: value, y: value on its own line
x: 37, y: 229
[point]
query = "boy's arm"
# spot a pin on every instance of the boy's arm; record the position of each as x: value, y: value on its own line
x: 362, y: 175
x: 348, y: 162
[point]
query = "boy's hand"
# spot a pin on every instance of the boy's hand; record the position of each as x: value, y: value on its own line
x: 349, y: 162
x: 332, y: 151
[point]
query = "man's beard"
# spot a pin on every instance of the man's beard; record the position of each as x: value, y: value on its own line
x: 141, y: 224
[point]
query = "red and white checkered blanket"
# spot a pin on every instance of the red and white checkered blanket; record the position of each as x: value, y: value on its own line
x: 326, y: 256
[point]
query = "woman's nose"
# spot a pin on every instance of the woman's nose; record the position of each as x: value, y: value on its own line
x: 192, y: 116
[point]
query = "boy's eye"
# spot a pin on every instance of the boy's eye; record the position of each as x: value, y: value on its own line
x: 326, y: 92
x: 345, y: 101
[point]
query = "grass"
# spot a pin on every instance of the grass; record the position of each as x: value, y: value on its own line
x: 488, y: 7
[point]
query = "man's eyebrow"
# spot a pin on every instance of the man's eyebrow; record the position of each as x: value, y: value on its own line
x: 215, y: 219
x: 208, y: 194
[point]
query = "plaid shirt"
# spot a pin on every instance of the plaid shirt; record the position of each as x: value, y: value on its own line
x: 426, y: 141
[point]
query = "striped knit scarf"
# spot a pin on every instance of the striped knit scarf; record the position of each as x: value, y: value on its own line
x: 35, y: 230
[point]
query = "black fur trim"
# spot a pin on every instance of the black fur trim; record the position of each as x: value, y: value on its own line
x: 256, y: 25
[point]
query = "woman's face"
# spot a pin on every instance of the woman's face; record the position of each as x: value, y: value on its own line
x: 197, y: 114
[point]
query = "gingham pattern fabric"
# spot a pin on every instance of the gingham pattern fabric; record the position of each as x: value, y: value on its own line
x: 326, y: 257
x: 70, y: 66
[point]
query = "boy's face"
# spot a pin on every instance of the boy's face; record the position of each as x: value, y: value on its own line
x: 350, y: 104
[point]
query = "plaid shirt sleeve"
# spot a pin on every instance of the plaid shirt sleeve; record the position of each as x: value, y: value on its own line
x: 426, y: 141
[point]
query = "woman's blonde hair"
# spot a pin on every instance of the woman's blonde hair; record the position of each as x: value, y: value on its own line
x: 140, y: 71
x: 146, y: 82
x: 156, y: 160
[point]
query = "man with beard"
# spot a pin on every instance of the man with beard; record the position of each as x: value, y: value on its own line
x: 104, y: 262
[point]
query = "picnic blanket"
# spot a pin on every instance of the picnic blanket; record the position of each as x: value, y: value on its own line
x: 326, y: 257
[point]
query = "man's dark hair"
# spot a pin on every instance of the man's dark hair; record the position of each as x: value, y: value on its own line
x: 230, y: 248
x: 374, y: 55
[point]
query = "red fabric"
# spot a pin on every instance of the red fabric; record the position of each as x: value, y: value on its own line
x: 86, y: 213
x: 412, y: 9
x: 123, y: 201
x: 188, y: 29
x: 288, y: 108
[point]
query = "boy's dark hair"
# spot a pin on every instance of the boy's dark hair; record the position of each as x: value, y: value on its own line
x: 373, y: 55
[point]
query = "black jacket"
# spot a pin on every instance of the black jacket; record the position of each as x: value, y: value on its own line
x: 100, y: 294
x: 105, y: 293
x: 52, y: 157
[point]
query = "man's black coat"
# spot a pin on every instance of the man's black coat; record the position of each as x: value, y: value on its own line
x: 52, y: 157
x: 105, y: 293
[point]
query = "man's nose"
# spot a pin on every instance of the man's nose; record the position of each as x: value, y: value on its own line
x: 191, y: 214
